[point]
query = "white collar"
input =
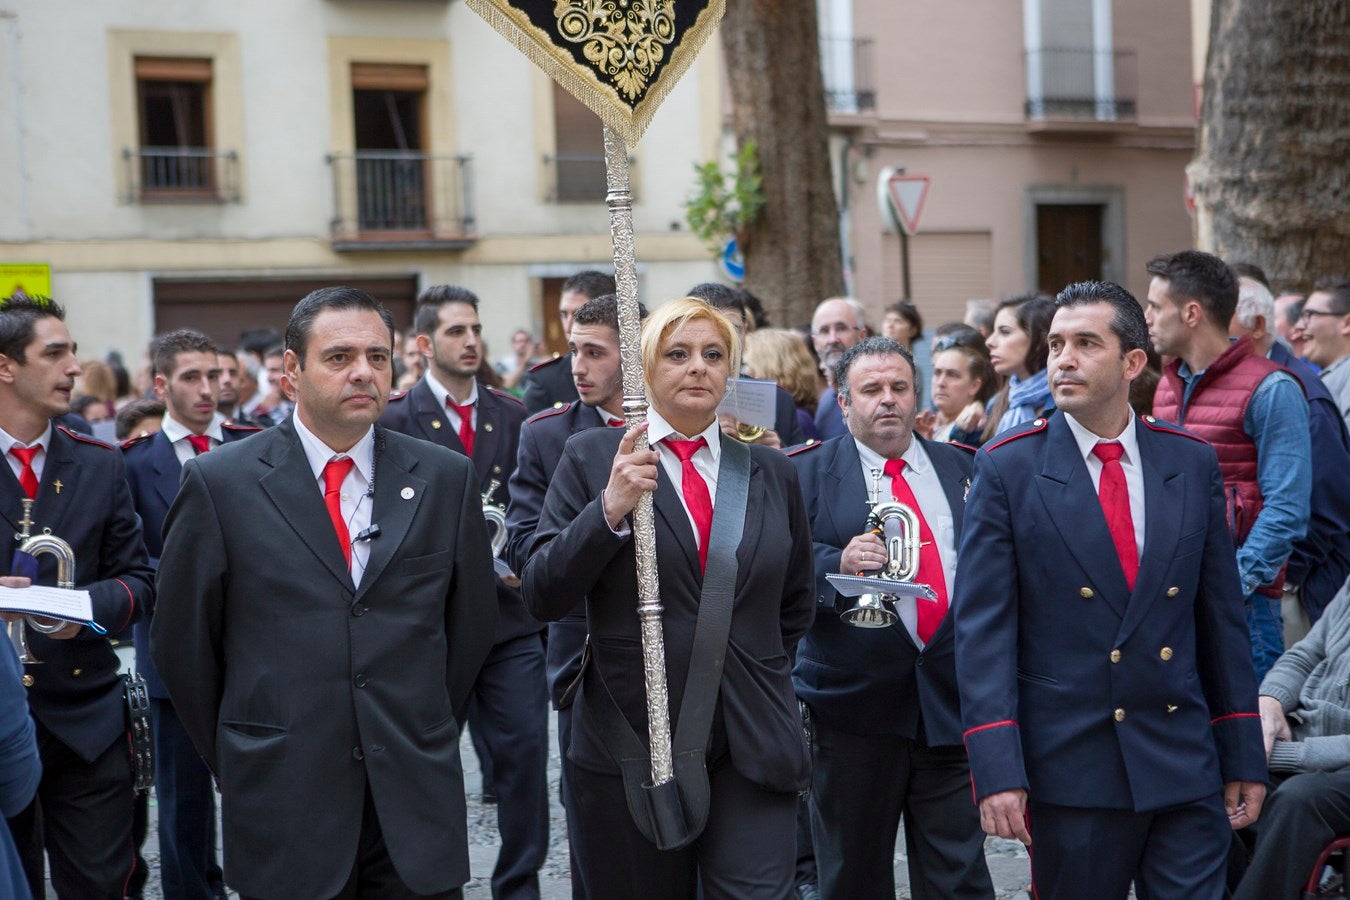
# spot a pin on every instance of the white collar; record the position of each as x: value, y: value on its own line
x: 175, y: 431
x: 915, y: 457
x: 318, y: 453
x: 1086, y: 440
x: 8, y: 440
x: 658, y: 429
x: 605, y: 416
x: 441, y: 392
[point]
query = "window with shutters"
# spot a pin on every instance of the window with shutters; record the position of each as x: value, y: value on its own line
x: 175, y: 158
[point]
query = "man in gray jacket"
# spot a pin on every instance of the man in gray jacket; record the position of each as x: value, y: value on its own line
x: 1306, y: 722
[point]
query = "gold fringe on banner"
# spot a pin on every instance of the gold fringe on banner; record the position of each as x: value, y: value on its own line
x: 582, y: 82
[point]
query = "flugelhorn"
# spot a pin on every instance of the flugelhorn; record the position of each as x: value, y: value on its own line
x: 496, y: 518
x: 36, y: 545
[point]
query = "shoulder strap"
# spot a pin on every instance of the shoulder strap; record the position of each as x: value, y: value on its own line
x: 714, y: 606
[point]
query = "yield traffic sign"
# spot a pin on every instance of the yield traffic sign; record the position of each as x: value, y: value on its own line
x: 908, y: 193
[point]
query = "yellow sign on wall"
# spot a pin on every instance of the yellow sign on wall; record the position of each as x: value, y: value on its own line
x: 27, y: 278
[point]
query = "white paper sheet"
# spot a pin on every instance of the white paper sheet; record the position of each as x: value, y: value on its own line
x: 55, y: 603
x: 751, y: 401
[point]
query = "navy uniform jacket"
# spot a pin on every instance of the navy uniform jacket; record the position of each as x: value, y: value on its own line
x: 542, y: 439
x: 77, y: 694
x: 1320, y: 560
x: 153, y: 472
x: 549, y: 382
x: 575, y: 557
x: 1073, y: 687
x: 495, y: 442
x: 873, y: 680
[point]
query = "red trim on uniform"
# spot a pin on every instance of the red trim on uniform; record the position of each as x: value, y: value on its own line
x: 547, y: 362
x: 809, y: 445
x: 1155, y: 425
x: 131, y: 611
x: 1235, y: 716
x: 971, y: 731
x: 962, y: 446
x: 235, y: 426
x: 1012, y: 437
x: 551, y: 411
x: 496, y: 392
x: 397, y: 395
x: 133, y: 441
x: 85, y: 439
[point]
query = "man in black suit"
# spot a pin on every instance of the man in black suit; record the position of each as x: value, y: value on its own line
x: 187, y: 377
x: 327, y: 603
x: 510, y: 701
x: 82, y: 816
x: 884, y: 700
x: 549, y: 383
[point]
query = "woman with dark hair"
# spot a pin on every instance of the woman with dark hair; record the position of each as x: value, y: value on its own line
x: 1018, y: 350
x: 962, y: 383
x: 733, y: 549
x: 903, y: 324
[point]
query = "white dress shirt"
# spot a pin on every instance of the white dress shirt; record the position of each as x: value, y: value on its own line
x: 355, y: 504
x: 1130, y: 464
x: 441, y: 393
x: 177, y: 433
x: 706, y: 459
x: 39, y: 459
x: 923, y: 480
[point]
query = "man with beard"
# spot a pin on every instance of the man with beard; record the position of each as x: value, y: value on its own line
x: 510, y: 702
x: 549, y: 383
x: 188, y: 374
x: 1109, y: 704
x: 837, y: 324
x: 593, y: 347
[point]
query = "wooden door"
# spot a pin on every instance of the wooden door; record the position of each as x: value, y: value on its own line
x: 1068, y: 245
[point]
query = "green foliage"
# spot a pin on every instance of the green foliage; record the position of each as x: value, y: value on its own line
x: 724, y: 203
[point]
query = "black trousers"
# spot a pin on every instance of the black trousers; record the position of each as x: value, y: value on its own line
x: 564, y: 777
x: 511, y: 717
x: 1303, y: 814
x: 861, y: 785
x: 82, y: 818
x: 373, y: 876
x: 746, y: 852
x: 1180, y: 851
x: 187, y: 812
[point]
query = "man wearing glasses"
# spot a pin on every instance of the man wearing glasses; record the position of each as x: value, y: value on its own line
x: 1325, y: 322
x: 838, y: 324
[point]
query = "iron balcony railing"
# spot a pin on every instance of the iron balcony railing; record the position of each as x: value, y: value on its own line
x: 1072, y: 83
x: 846, y: 68
x: 401, y: 196
x: 181, y: 174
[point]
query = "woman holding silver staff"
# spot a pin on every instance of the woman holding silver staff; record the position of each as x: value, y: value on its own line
x: 734, y: 560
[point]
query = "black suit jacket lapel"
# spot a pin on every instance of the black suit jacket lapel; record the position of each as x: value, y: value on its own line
x: 954, y: 482
x: 1072, y: 503
x: 431, y: 419
x: 168, y: 470
x: 60, y: 468
x: 292, y: 487
x: 670, y: 507
x: 486, y: 435
x: 1164, y: 498
x: 398, y: 494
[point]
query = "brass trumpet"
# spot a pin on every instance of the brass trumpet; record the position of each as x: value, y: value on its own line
x: 35, y: 545
x: 748, y: 434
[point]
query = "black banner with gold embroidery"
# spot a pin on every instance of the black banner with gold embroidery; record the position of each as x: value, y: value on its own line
x: 619, y: 57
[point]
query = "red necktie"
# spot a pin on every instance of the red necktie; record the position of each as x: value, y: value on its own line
x: 1114, y: 495
x: 334, y: 473
x: 614, y: 423
x: 930, y: 561
x: 465, y: 414
x: 695, y: 490
x: 27, y: 478
x: 200, y: 443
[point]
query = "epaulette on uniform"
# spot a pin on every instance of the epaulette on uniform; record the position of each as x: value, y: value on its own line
x: 1036, y: 426
x: 241, y: 428
x: 966, y: 447
x: 811, y: 444
x: 1153, y: 423
x: 137, y: 439
x: 397, y: 395
x: 505, y: 395
x: 554, y: 410
x: 548, y: 362
x: 86, y: 439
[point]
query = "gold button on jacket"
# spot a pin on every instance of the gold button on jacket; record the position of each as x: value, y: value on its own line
x: 1165, y: 653
x: 1085, y: 593
x: 1173, y: 591
x: 1120, y: 715
x: 1115, y: 656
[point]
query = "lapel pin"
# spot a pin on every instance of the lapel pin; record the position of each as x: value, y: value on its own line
x: 435, y: 423
x: 406, y: 493
x: 58, y: 485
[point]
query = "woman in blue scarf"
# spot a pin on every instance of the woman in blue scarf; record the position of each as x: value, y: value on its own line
x: 1018, y: 351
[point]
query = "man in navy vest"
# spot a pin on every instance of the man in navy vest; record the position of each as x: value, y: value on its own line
x: 187, y: 378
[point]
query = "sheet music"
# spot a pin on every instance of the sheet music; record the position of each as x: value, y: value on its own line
x: 55, y: 603
x: 751, y: 401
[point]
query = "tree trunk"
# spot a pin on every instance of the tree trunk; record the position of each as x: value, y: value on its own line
x: 1272, y: 173
x: 792, y: 255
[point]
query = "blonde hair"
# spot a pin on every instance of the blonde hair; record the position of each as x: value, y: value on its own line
x: 780, y: 355
x: 668, y: 319
x: 97, y: 380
